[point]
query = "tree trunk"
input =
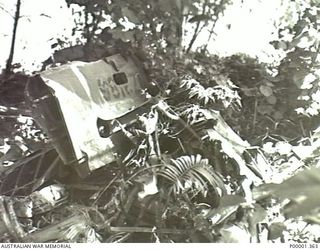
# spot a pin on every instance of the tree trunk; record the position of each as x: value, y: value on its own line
x: 13, y: 40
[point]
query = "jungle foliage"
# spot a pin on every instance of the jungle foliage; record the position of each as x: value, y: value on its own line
x: 229, y: 149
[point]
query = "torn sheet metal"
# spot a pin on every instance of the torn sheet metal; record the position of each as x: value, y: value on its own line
x: 104, y: 89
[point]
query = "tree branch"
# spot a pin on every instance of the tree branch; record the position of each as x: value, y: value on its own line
x: 211, y: 32
x: 13, y: 40
x: 2, y: 8
x: 197, y: 29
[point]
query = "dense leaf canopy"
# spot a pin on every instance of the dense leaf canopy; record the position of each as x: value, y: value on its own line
x: 228, y: 146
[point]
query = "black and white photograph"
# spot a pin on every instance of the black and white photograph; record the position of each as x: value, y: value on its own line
x: 159, y: 121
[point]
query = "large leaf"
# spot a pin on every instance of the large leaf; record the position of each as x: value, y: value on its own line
x: 302, y: 189
x: 227, y: 207
x: 187, y: 172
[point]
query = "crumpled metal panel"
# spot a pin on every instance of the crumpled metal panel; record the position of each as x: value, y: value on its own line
x: 85, y: 92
